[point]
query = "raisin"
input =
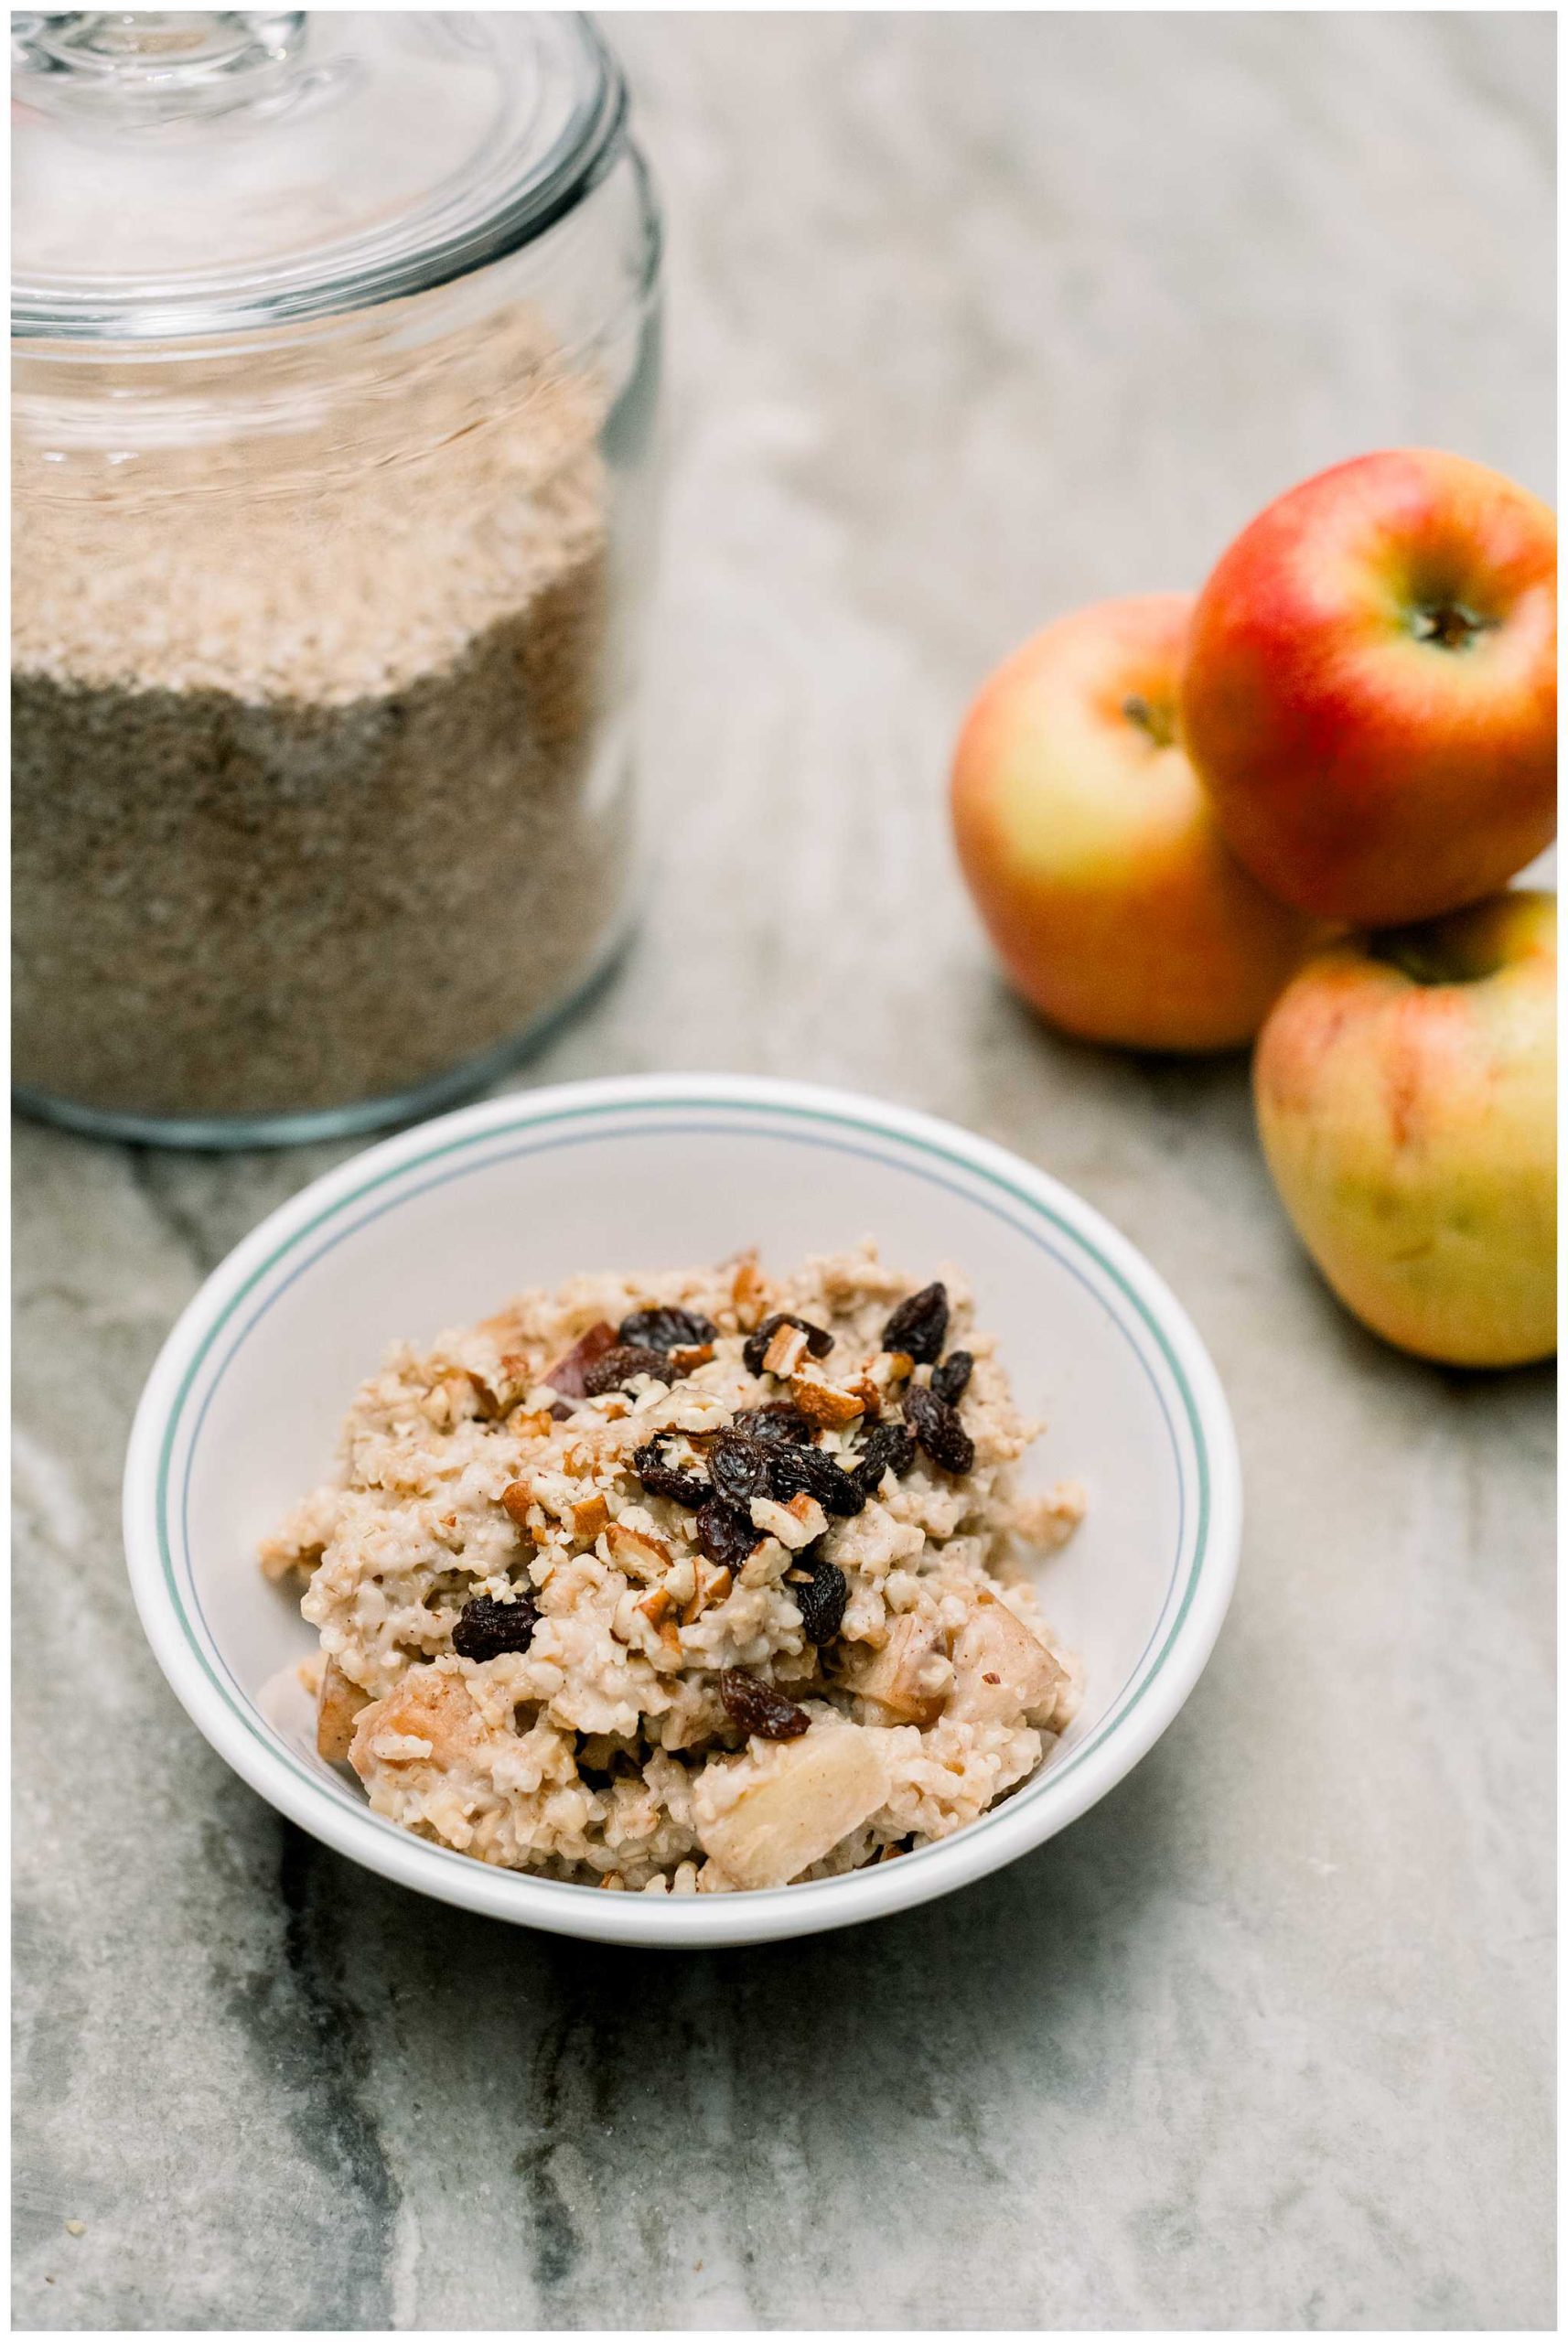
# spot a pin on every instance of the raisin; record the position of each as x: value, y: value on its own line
x: 918, y: 1326
x: 614, y: 1368
x: 666, y: 1329
x: 566, y: 1375
x: 487, y: 1627
x: 950, y: 1379
x: 794, y: 1470
x: 726, y: 1533
x: 890, y: 1447
x: 758, y: 1708
x: 662, y: 1479
x: 937, y: 1427
x: 560, y: 1412
x: 819, y: 1341
x: 822, y: 1601
x: 782, y: 1419
x: 739, y: 1468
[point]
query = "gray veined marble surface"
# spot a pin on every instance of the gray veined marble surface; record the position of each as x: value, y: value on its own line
x: 973, y: 318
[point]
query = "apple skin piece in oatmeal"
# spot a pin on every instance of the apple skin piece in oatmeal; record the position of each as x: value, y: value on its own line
x: 702, y: 1580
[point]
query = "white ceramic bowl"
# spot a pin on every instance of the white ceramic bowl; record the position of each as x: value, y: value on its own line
x: 437, y: 1226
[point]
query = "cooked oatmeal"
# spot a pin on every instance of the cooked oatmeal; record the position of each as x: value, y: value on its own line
x: 693, y: 1581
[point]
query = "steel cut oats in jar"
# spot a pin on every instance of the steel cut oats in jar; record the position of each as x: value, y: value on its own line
x: 336, y: 357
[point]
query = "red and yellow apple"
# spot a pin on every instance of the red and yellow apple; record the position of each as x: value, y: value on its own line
x: 1406, y: 1094
x: 1371, y: 694
x: 1092, y: 855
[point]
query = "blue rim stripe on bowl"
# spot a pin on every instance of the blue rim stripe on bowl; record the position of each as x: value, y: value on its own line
x: 488, y: 1145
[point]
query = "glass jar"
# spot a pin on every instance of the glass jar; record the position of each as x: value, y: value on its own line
x: 334, y: 347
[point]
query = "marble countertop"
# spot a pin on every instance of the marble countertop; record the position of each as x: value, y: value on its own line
x: 972, y: 319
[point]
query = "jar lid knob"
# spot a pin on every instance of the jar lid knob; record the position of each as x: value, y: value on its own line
x: 152, y: 64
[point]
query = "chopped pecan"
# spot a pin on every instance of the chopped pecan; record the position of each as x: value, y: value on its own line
x: 818, y: 1341
x: 535, y: 1423
x: 713, y: 1585
x: 637, y: 1554
x: 796, y: 1524
x: 490, y: 1404
x: 785, y: 1351
x: 748, y: 1293
x: 589, y: 1515
x: 681, y: 1578
x: 824, y: 1402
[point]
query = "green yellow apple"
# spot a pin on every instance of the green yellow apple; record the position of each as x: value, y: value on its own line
x: 1406, y: 1094
x: 1093, y: 859
x: 1371, y: 694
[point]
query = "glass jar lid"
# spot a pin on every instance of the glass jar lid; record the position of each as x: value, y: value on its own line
x: 182, y: 174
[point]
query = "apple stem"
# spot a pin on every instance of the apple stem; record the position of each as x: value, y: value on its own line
x: 1448, y: 626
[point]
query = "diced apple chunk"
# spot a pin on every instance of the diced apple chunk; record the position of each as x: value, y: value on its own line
x: 338, y: 1708
x: 811, y: 1793
x: 430, y: 1713
x: 1000, y: 1669
x: 910, y: 1677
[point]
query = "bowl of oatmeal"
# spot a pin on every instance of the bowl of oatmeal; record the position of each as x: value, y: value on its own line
x: 682, y: 1510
